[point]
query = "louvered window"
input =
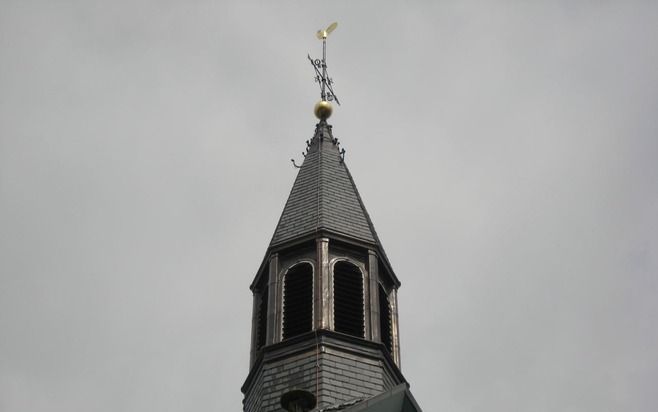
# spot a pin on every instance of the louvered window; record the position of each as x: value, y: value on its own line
x: 348, y: 299
x: 298, y: 300
x: 261, y: 332
x: 385, y: 319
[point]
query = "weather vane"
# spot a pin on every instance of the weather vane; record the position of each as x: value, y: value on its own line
x: 323, y: 107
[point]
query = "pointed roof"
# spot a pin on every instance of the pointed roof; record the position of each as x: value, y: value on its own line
x: 324, y: 196
x: 397, y: 399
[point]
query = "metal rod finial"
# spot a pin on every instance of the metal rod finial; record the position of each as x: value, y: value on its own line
x: 320, y: 66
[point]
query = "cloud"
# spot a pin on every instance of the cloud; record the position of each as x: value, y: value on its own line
x: 144, y: 162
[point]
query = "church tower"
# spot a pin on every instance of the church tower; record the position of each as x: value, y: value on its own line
x: 325, y: 332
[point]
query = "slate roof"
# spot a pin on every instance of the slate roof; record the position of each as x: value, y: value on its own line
x: 324, y: 196
x: 397, y: 399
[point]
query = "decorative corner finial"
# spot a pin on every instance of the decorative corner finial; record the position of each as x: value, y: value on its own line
x: 323, y: 108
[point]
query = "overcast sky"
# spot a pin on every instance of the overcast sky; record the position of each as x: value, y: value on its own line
x: 507, y: 154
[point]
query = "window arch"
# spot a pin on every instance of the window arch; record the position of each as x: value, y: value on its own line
x: 348, y: 299
x: 298, y: 300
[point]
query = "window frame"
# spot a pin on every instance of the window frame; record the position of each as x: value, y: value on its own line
x: 364, y: 293
x: 282, y: 295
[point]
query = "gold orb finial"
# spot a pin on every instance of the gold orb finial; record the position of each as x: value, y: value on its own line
x: 323, y: 110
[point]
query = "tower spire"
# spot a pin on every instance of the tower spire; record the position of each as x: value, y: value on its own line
x: 325, y: 329
x: 323, y: 108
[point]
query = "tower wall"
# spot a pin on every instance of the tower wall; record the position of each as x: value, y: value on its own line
x: 335, y: 368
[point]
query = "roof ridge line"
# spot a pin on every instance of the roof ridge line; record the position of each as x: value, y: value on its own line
x: 378, y: 242
x: 318, y: 135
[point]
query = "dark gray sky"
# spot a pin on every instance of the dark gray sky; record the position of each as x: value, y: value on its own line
x: 507, y: 153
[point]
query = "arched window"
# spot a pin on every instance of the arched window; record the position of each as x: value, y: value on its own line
x: 385, y: 319
x: 348, y: 299
x: 261, y: 331
x: 298, y: 300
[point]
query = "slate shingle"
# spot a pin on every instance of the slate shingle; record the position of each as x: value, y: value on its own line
x: 324, y: 196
